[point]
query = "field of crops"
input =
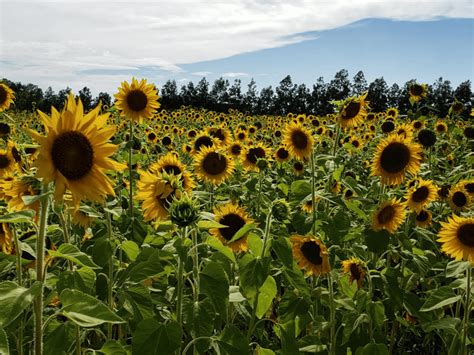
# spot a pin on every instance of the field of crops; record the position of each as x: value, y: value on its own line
x: 135, y: 230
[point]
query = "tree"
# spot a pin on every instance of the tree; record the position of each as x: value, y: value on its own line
x: 339, y: 87
x: 394, y: 94
x: 265, y: 103
x: 250, y: 98
x: 359, y: 84
x: 170, y: 99
x: 203, y: 98
x: 219, y: 95
x: 377, y: 95
x: 319, y: 101
x: 86, y: 97
x: 464, y: 94
x: 301, y: 100
x: 235, y: 95
x: 285, y: 95
x: 188, y: 94
x: 441, y: 96
x: 103, y: 98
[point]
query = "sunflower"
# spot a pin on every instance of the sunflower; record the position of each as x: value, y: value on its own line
x: 203, y: 140
x: 157, y: 190
x: 459, y: 198
x: 234, y: 218
x: 282, y: 154
x: 405, y: 130
x: 213, y: 166
x: 5, y: 129
x: 392, y: 112
x: 441, y: 127
x: 310, y: 254
x: 15, y: 189
x: 457, y: 238
x: 423, y: 218
x: 353, y: 111
x: 468, y: 185
x: 76, y: 152
x: 299, y: 140
x: 394, y: 157
x: 417, y: 92
x: 6, y: 97
x: 389, y: 215
x: 221, y: 134
x: 252, y: 153
x: 171, y: 165
x: 356, y: 270
x: 298, y: 167
x: 421, y: 195
x: 7, y: 162
x: 235, y: 149
x: 457, y: 107
x: 6, y: 239
x: 138, y: 100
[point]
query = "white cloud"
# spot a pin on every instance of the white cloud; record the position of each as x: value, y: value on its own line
x: 234, y: 75
x: 201, y: 73
x: 61, y: 43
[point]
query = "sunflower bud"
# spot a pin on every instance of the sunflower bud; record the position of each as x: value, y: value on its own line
x: 280, y: 210
x: 184, y: 211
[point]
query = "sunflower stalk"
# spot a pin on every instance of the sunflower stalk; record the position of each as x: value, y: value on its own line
x: 313, y: 194
x: 40, y: 271
x: 179, y: 299
x: 20, y: 283
x: 130, y: 173
x: 332, y: 316
x: 110, y: 284
x: 467, y: 310
x: 195, y: 274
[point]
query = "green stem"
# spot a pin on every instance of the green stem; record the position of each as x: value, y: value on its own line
x: 371, y: 293
x: 467, y: 310
x: 179, y: 301
x: 110, y: 284
x: 20, y: 282
x: 193, y: 342
x: 313, y: 194
x: 336, y: 139
x: 195, y: 274
x: 259, y: 194
x: 40, y: 272
x: 78, y: 340
x: 332, y: 316
x: 130, y: 177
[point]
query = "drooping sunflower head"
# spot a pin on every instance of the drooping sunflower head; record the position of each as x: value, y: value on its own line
x: 423, y: 218
x: 137, y: 100
x: 421, y: 195
x: 457, y: 238
x: 6, y: 239
x: 299, y: 140
x: 356, y: 269
x: 389, y: 215
x: 394, y: 157
x: 76, y: 152
x: 457, y: 107
x: 459, y: 198
x: 353, y: 111
x: 170, y: 164
x: 6, y: 97
x: 213, y: 166
x: 252, y: 154
x: 13, y: 190
x: 417, y: 92
x: 233, y: 218
x: 311, y: 254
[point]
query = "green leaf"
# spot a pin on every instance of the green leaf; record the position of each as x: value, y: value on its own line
x: 354, y: 206
x: 131, y: 249
x: 209, y: 224
x: 199, y: 318
x: 102, y: 251
x: 283, y: 188
x: 454, y: 268
x: 264, y: 351
x: 234, y: 294
x: 448, y: 324
x: 376, y: 311
x: 146, y: 265
x: 255, y: 243
x: 232, y: 341
x: 217, y: 245
x: 30, y: 199
x: 242, y: 232
x: 59, y: 337
x: 113, y: 347
x: 439, y: 298
x: 154, y: 338
x: 72, y: 253
x: 215, y: 285
x: 267, y: 293
x: 253, y: 273
x: 18, y: 217
x: 85, y: 310
x: 282, y: 248
x: 373, y: 349
x: 4, y: 347
x: 300, y: 189
x: 296, y: 279
x: 377, y: 242
x: 15, y: 299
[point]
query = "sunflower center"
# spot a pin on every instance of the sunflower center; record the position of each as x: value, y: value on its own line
x: 466, y: 234
x: 4, y: 161
x: 214, y: 163
x: 236, y: 149
x: 233, y: 222
x: 172, y: 169
x: 3, y: 94
x: 166, y: 140
x: 459, y: 199
x: 254, y: 154
x: 4, y: 128
x: 219, y: 134
x: 469, y: 187
x: 137, y: 100
x: 299, y: 140
x: 351, y: 110
x: 203, y: 141
x: 311, y: 252
x: 420, y: 194
x: 355, y: 272
x: 395, y: 157
x: 416, y: 90
x: 386, y: 214
x: 72, y: 155
x: 282, y: 153
x: 422, y: 216
x: 298, y: 166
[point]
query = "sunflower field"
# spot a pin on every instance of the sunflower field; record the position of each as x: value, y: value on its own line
x: 135, y: 230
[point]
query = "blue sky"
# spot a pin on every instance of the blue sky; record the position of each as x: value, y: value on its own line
x: 99, y: 43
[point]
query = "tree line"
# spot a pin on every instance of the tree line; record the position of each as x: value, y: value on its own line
x: 284, y: 98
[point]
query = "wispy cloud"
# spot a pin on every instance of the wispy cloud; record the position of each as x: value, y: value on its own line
x: 53, y: 42
x: 201, y: 73
x: 234, y: 75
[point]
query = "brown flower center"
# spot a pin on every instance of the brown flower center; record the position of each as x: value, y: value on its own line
x: 4, y: 128
x: 233, y: 222
x: 422, y: 216
x: 3, y: 95
x: 4, y: 161
x: 214, y: 163
x: 137, y: 100
x: 311, y: 251
x: 395, y: 157
x: 254, y: 154
x: 420, y: 194
x: 386, y: 214
x: 465, y: 234
x: 351, y: 110
x: 299, y: 140
x: 282, y: 154
x: 72, y: 155
x: 203, y: 141
x: 172, y: 169
x: 236, y: 149
x: 416, y: 90
x: 459, y: 199
x: 355, y: 271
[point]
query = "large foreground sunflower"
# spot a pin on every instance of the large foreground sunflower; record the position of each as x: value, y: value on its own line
x: 421, y: 195
x: 138, y: 100
x: 75, y: 153
x: 394, y: 157
x: 299, y: 140
x: 213, y: 166
x: 389, y: 215
x: 234, y: 218
x: 457, y: 238
x: 356, y: 270
x: 311, y: 254
x: 6, y: 97
x: 353, y: 111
